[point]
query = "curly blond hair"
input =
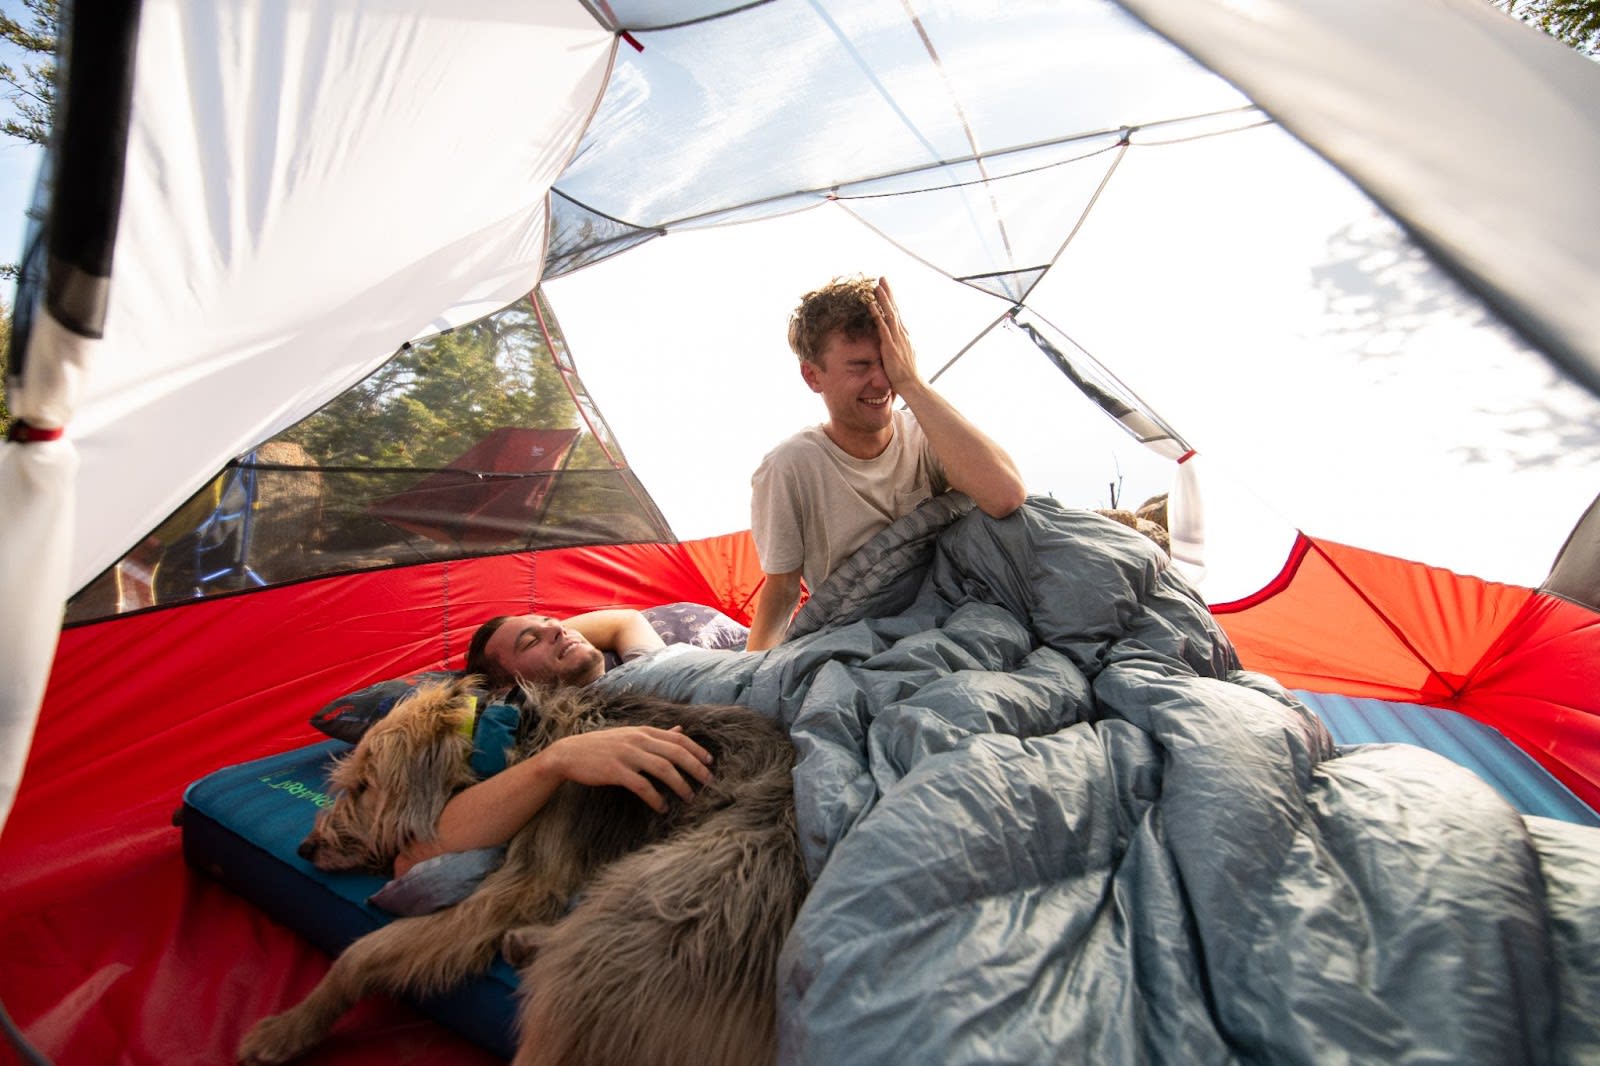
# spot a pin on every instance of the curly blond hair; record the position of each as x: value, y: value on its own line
x: 844, y: 305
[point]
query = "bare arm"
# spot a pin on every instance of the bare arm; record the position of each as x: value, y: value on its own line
x: 972, y: 462
x: 774, y: 606
x: 617, y: 630
x: 489, y: 813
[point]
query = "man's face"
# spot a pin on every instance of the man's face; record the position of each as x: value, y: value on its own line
x: 540, y: 649
x: 850, y: 379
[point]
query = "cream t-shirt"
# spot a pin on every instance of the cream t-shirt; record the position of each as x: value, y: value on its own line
x: 813, y: 504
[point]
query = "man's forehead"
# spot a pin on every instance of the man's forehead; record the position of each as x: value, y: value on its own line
x: 846, y: 348
x: 513, y: 628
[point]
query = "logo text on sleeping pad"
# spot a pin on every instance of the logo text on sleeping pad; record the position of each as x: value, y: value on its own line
x: 299, y: 790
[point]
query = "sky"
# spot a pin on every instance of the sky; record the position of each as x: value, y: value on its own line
x: 19, y: 165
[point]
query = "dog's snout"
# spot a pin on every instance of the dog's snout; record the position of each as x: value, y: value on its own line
x: 308, y: 849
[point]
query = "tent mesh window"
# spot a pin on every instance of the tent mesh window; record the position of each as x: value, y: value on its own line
x: 478, y: 441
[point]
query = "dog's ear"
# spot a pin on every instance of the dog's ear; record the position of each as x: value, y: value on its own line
x: 442, y: 708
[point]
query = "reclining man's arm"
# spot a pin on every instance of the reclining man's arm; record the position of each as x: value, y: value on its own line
x: 489, y: 813
x: 624, y: 632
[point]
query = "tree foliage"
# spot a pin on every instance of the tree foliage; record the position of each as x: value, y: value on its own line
x: 1573, y: 22
x: 31, y: 88
x: 437, y: 398
x: 5, y: 355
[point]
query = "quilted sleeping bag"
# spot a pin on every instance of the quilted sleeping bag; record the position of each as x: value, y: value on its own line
x: 1049, y: 819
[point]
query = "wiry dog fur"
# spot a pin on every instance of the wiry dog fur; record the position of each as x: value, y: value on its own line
x: 670, y: 954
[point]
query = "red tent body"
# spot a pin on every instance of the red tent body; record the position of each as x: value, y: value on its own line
x: 118, y: 952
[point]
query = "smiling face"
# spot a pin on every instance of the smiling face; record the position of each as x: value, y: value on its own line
x: 849, y: 377
x: 539, y: 649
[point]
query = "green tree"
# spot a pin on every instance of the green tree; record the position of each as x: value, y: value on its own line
x: 437, y: 398
x: 31, y: 88
x: 1573, y: 22
x: 5, y: 355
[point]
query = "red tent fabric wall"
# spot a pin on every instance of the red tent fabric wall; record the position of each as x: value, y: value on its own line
x: 1354, y: 622
x: 115, y: 951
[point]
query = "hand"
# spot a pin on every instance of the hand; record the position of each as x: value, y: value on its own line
x: 630, y: 757
x: 894, y: 344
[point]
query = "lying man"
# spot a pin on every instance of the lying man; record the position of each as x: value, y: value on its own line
x: 543, y: 650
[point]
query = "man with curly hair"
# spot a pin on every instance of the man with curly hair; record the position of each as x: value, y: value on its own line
x: 824, y: 492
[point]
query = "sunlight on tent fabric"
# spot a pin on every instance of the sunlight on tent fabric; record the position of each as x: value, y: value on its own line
x: 1330, y: 376
x: 805, y: 113
x: 267, y: 256
x: 683, y: 341
x: 1277, y: 320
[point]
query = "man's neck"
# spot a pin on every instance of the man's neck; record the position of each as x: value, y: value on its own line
x: 859, y: 445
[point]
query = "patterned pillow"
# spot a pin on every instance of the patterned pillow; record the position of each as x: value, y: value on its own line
x: 697, y: 625
x: 349, y: 716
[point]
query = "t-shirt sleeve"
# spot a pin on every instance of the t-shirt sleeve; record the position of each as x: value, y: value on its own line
x: 775, y: 515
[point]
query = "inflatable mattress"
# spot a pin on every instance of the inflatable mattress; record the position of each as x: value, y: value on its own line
x: 242, y: 826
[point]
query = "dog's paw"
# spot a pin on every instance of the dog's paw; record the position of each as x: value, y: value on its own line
x: 272, y: 1041
x: 520, y: 945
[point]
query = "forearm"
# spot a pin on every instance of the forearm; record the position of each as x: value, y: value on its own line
x: 618, y: 630
x: 774, y: 606
x: 972, y: 462
x: 489, y: 813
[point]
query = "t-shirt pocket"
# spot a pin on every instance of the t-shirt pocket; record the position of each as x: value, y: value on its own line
x: 908, y: 500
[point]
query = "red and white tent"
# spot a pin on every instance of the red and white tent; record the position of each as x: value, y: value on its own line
x: 1342, y: 251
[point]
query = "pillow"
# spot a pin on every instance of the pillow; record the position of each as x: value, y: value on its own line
x: 437, y: 882
x: 692, y: 624
x: 697, y: 625
x: 349, y: 716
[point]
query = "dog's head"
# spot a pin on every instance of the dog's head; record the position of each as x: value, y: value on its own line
x: 388, y: 792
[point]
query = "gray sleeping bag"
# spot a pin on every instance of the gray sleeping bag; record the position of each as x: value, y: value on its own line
x: 1049, y: 819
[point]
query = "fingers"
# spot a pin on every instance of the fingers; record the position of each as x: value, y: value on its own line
x: 894, y: 344
x: 885, y: 294
x: 688, y: 744
x: 655, y: 769
x: 672, y: 760
x: 636, y: 758
x: 641, y: 787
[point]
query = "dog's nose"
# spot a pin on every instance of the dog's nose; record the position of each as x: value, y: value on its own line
x: 308, y: 849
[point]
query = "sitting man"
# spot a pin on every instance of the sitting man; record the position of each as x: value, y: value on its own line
x: 827, y: 490
x: 543, y: 650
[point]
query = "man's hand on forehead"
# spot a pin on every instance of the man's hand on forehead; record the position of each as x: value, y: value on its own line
x: 894, y: 343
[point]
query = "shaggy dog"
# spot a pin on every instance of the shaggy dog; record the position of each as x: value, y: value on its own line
x: 670, y: 953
